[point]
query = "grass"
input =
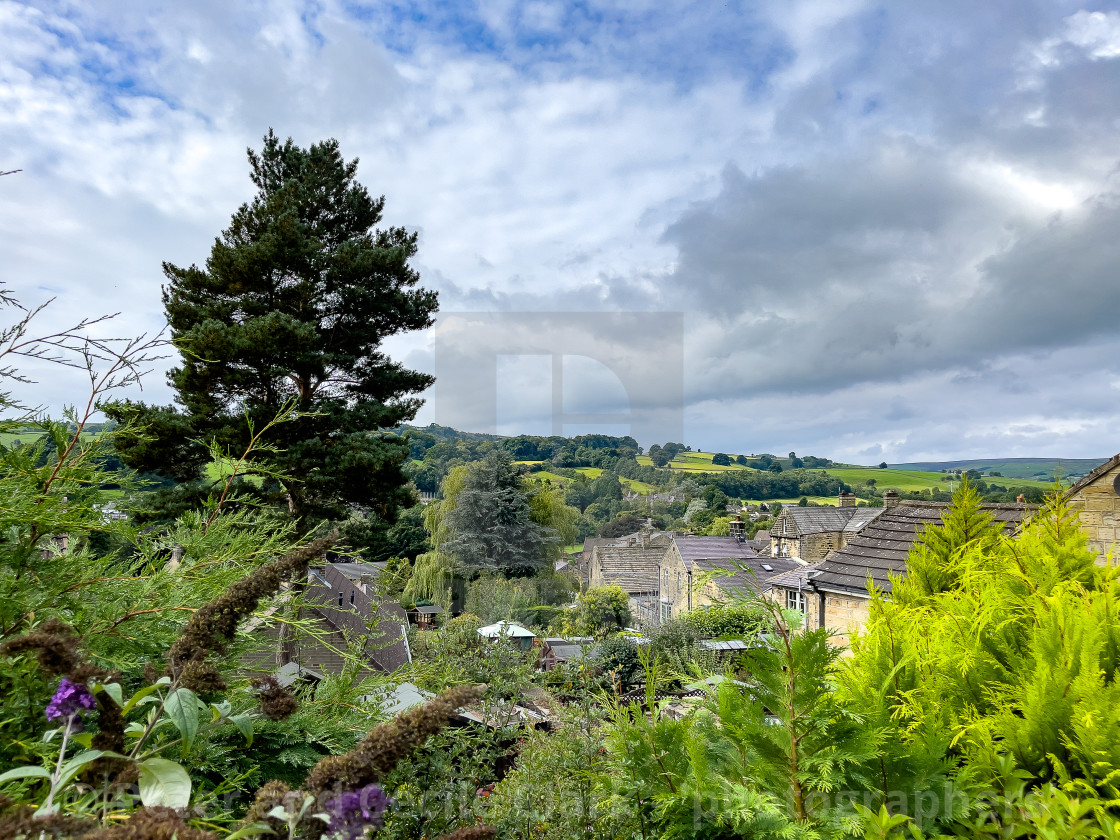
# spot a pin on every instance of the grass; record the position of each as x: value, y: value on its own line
x: 638, y: 486
x: 827, y: 501
x: 915, y: 480
x: 694, y: 462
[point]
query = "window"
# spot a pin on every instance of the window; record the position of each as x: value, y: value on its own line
x: 351, y: 597
x: 666, y: 611
x: 795, y: 600
x: 340, y: 599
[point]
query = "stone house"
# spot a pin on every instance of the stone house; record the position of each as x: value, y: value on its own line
x: 834, y: 592
x: 809, y: 534
x: 734, y: 567
x: 1096, y: 499
x: 633, y: 566
x: 342, y: 598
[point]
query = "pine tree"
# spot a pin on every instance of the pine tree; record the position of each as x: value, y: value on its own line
x: 291, y: 310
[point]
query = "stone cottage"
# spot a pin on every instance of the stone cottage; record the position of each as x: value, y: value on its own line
x: 839, y: 584
x: 809, y: 534
x: 1096, y: 499
x: 734, y: 567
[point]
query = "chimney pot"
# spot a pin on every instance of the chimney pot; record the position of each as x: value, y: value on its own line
x: 890, y: 499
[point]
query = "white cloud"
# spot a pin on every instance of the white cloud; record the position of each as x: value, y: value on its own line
x: 875, y: 213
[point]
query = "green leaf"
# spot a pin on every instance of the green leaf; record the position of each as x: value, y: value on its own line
x: 141, y: 694
x: 70, y: 768
x: 244, y: 724
x: 251, y: 830
x: 25, y: 773
x: 220, y: 710
x: 164, y: 782
x: 115, y: 691
x: 182, y: 708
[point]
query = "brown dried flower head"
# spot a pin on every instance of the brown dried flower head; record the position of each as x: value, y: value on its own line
x: 154, y: 823
x: 385, y: 745
x: 267, y: 798
x: 213, y: 625
x: 56, y: 644
x: 277, y: 703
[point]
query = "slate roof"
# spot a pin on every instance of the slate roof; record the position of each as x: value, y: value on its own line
x: 1110, y: 464
x: 794, y: 578
x: 388, y: 648
x: 884, y: 545
x: 711, y: 548
x: 760, y: 541
x: 354, y: 571
x: 823, y: 520
x: 633, y: 568
x: 748, y: 580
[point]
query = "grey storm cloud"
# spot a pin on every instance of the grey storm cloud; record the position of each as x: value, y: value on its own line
x: 890, y: 228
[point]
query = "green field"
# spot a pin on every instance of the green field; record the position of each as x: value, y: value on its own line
x: 591, y: 472
x: 915, y: 480
x: 1040, y: 469
x: 638, y: 486
x: 694, y: 462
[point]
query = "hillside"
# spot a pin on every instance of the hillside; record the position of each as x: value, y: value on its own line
x: 1041, y: 469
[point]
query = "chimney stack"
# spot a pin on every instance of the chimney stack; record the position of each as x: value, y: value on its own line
x: 890, y: 499
x: 847, y: 499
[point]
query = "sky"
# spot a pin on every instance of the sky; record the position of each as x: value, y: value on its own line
x: 890, y: 230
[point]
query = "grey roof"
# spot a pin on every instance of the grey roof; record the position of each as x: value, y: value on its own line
x: 568, y: 653
x: 288, y: 673
x: 354, y: 571
x: 633, y: 568
x: 883, y: 547
x: 861, y: 518
x: 823, y: 520
x: 747, y: 575
x: 429, y: 610
x: 404, y: 697
x: 388, y: 648
x: 712, y: 548
x: 732, y: 644
x: 794, y: 578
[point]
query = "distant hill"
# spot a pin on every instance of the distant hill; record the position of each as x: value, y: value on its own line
x: 1037, y: 468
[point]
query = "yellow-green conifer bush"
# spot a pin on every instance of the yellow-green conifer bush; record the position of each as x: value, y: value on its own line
x: 993, y: 665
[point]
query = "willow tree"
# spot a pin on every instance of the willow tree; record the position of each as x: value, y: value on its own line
x: 290, y: 311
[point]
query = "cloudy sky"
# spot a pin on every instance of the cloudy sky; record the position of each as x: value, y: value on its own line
x: 893, y: 230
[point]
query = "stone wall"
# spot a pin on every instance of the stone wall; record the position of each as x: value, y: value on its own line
x: 845, y: 613
x: 816, y: 547
x: 1098, y: 509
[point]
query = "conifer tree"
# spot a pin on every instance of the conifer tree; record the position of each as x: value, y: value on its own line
x: 290, y: 310
x: 492, y: 522
x: 933, y: 563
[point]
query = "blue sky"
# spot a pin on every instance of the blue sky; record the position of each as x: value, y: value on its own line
x: 890, y: 227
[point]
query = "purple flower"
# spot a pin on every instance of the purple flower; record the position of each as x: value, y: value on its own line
x: 353, y: 812
x: 70, y: 699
